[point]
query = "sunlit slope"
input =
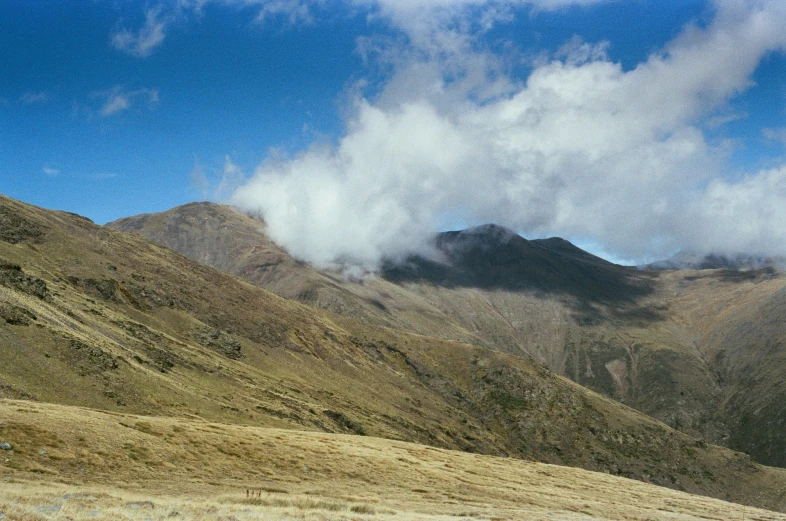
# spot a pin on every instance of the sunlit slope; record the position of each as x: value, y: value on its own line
x: 227, y: 239
x: 699, y: 350
x: 738, y: 324
x: 116, y: 466
x: 100, y: 318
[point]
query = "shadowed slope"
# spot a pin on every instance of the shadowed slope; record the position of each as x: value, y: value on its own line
x: 491, y: 257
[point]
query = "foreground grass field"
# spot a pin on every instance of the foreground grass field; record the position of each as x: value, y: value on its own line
x: 70, y: 463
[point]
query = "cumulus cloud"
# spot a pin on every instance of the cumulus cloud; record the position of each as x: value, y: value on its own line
x: 143, y: 42
x: 118, y: 99
x: 583, y: 148
x: 746, y: 216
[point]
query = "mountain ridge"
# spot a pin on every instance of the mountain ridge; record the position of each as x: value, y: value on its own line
x: 714, y: 261
x: 642, y: 337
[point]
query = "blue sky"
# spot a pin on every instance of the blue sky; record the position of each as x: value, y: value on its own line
x: 358, y: 128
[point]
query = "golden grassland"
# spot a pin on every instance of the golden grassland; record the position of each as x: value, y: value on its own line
x: 71, y: 463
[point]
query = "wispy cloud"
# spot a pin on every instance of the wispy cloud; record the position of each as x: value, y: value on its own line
x: 143, y: 42
x: 775, y: 134
x: 34, y: 97
x: 51, y: 172
x: 216, y: 182
x: 116, y: 102
x: 198, y: 179
x: 118, y: 99
x: 295, y: 12
x: 232, y: 177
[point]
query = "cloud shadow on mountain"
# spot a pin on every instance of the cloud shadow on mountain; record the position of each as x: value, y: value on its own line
x: 491, y: 257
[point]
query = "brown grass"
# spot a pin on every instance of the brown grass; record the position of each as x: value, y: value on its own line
x: 120, y: 472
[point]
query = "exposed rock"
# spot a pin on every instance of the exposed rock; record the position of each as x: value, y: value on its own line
x: 6, y: 446
x: 15, y: 229
x: 12, y: 276
x: 163, y: 360
x: 140, y: 504
x: 220, y: 341
x: 92, y: 359
x: 105, y: 289
x: 156, y: 346
x: 344, y: 421
x: 16, y: 315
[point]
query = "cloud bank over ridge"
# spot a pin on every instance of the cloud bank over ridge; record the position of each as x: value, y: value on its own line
x: 581, y: 148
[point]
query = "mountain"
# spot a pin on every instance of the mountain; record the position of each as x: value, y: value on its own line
x: 699, y: 350
x: 712, y: 261
x: 103, y: 319
x: 492, y: 257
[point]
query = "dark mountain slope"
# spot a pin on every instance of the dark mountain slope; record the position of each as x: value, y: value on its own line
x: 491, y: 257
x: 560, y: 245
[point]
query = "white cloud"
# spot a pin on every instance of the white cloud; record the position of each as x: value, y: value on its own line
x: 746, y: 216
x: 118, y: 99
x: 293, y: 12
x: 142, y: 43
x: 582, y: 149
x: 51, y: 172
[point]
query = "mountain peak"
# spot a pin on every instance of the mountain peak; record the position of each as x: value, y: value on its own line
x: 491, y: 230
x: 485, y: 237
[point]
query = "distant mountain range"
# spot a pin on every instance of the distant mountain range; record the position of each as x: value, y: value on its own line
x: 740, y: 261
x: 465, y: 352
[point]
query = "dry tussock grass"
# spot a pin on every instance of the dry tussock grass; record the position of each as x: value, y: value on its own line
x: 128, y: 467
x: 41, y: 502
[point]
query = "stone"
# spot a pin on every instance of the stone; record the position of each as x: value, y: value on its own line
x: 219, y: 340
x: 6, y: 446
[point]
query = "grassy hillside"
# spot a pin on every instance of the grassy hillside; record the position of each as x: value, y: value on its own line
x: 108, y: 320
x: 699, y: 350
x: 79, y: 464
